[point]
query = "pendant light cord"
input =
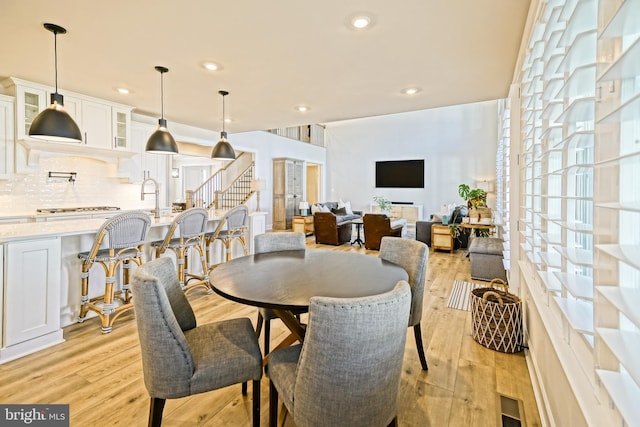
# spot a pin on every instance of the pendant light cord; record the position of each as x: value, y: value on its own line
x: 55, y: 55
x: 223, y: 113
x: 162, y: 94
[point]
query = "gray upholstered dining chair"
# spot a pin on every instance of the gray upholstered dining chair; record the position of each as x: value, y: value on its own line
x: 413, y: 256
x: 347, y: 371
x: 273, y: 242
x: 180, y: 358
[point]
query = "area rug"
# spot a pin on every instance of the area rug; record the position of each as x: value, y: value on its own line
x: 459, y: 298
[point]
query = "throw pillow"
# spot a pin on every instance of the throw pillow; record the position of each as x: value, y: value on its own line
x: 339, y: 211
x: 314, y: 208
x: 324, y: 209
x: 347, y: 207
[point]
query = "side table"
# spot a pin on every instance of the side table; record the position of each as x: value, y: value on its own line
x: 441, y: 237
x: 358, y: 223
x: 303, y: 224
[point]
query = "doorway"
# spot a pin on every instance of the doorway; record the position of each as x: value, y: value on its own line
x: 313, y: 188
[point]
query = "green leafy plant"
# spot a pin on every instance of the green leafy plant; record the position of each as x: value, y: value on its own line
x: 383, y: 203
x: 475, y: 197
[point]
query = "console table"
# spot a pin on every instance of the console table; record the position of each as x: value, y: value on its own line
x: 411, y: 213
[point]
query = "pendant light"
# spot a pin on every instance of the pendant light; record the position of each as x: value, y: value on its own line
x: 54, y: 123
x: 161, y: 141
x: 223, y: 150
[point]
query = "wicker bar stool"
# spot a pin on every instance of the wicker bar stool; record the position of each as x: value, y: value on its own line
x: 191, y: 226
x: 125, y: 235
x: 233, y: 225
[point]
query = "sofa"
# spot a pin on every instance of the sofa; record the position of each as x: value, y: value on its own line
x: 331, y: 224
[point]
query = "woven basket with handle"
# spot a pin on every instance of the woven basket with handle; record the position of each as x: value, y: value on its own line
x: 496, y: 318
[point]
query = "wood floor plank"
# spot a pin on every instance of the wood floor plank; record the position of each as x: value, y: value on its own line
x: 100, y: 376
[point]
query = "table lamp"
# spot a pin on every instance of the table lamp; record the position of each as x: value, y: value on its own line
x: 304, y: 207
x: 258, y: 185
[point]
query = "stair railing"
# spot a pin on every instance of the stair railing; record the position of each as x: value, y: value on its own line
x: 211, y: 194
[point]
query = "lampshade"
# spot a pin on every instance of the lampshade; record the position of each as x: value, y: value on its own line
x: 161, y: 140
x: 223, y: 149
x: 487, y: 186
x: 258, y: 185
x: 54, y: 123
x: 303, y: 205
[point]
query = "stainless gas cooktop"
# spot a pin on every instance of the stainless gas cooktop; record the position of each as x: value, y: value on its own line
x: 79, y: 209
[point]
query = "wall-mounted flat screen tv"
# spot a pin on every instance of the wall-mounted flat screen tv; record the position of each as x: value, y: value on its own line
x: 400, y: 174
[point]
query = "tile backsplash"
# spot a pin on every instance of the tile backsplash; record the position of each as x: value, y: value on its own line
x: 95, y: 185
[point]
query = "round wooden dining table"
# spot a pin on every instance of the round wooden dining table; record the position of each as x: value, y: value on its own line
x: 286, y: 280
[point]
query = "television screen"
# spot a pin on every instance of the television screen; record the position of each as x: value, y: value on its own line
x: 400, y: 174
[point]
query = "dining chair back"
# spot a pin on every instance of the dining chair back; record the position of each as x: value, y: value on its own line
x: 187, y: 231
x: 273, y: 242
x: 347, y: 371
x: 413, y: 256
x: 118, y: 242
x: 181, y: 358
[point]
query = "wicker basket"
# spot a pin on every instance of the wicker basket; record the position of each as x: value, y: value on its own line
x: 496, y: 318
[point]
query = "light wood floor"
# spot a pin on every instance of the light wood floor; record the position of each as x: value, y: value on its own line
x: 100, y: 376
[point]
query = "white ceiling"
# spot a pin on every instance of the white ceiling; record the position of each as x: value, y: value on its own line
x: 275, y: 55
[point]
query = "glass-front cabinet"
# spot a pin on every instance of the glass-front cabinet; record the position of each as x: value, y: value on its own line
x: 6, y: 136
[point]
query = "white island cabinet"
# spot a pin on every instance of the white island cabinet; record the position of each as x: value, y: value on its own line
x: 40, y: 283
x: 31, y: 315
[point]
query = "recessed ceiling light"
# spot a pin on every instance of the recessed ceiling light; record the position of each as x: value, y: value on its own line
x: 211, y: 66
x: 122, y: 90
x: 411, y: 90
x: 360, y: 21
x: 227, y: 120
x: 302, y: 108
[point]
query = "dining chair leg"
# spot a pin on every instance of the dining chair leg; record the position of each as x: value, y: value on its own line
x: 256, y: 403
x: 273, y: 405
x: 267, y: 335
x: 418, y: 334
x: 259, y: 324
x: 155, y: 412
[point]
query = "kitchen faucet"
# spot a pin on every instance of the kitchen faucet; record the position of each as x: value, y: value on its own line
x: 156, y: 192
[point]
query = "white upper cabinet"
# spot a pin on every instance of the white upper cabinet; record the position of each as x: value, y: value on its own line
x: 96, y: 124
x: 104, y: 124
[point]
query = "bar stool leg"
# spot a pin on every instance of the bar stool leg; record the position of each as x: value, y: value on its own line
x: 126, y: 290
x: 227, y: 246
x: 84, y: 298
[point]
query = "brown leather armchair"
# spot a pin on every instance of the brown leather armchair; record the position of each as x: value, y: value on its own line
x: 328, y: 231
x: 376, y: 226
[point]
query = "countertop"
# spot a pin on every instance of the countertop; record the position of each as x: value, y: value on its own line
x: 35, y: 230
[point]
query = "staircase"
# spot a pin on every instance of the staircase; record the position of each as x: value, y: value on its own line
x: 227, y: 188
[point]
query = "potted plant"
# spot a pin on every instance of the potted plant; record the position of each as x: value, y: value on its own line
x: 383, y: 203
x: 476, y: 197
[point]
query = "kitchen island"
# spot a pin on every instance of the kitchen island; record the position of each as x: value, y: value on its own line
x: 40, y: 276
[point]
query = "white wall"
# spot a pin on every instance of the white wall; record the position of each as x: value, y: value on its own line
x: 458, y: 145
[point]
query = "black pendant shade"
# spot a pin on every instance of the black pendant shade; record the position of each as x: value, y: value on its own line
x: 161, y: 140
x: 54, y: 123
x: 223, y: 149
